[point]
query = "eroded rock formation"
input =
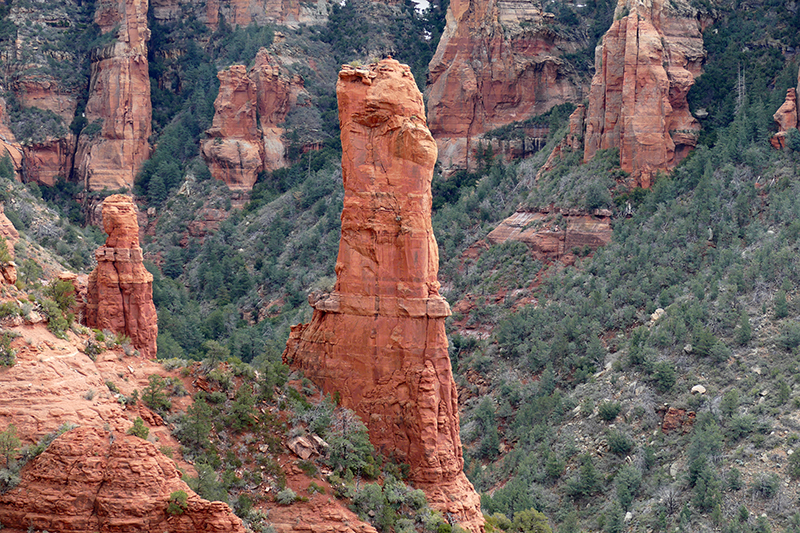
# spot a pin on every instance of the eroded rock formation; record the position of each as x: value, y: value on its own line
x: 550, y: 236
x: 379, y: 338
x: 245, y: 138
x: 8, y: 269
x: 8, y: 143
x: 91, y: 480
x: 496, y: 63
x: 645, y: 66
x: 786, y: 116
x: 573, y: 141
x: 120, y: 290
x: 119, y: 100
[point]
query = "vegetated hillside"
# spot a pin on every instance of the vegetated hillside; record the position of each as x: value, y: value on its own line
x: 565, y: 375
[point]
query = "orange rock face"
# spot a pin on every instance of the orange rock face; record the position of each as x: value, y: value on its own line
x: 645, y: 66
x: 245, y: 138
x: 91, y: 480
x: 550, y: 240
x: 120, y: 290
x: 8, y: 271
x: 119, y: 97
x: 45, y: 92
x: 786, y: 117
x: 496, y: 63
x: 8, y: 143
x: 46, y: 161
x: 379, y: 338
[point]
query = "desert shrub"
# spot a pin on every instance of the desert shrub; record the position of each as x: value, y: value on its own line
x: 8, y: 355
x: 766, y: 485
x: 627, y: 483
x: 178, y: 503
x: 619, y: 443
x: 608, y: 411
x: 286, y: 496
x: 138, y: 429
x: 9, y: 444
x: 154, y: 395
x: 793, y: 465
x: 62, y: 292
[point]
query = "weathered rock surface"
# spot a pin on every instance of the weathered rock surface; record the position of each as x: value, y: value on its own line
x: 8, y: 271
x: 245, y: 137
x: 92, y: 480
x: 379, y: 338
x: 45, y: 162
x: 786, y: 116
x: 645, y: 66
x: 8, y: 143
x: 549, y: 239
x: 119, y: 100
x: 496, y: 63
x: 233, y: 151
x: 45, y: 92
x: 120, y: 291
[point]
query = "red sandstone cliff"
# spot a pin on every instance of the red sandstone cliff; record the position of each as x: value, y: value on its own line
x: 496, y: 63
x: 8, y: 271
x: 645, y: 66
x: 245, y: 137
x: 8, y: 143
x: 379, y: 338
x: 119, y: 98
x: 120, y: 290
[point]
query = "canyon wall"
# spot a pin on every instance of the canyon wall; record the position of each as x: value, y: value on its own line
x: 118, y: 109
x: 645, y: 65
x: 245, y: 137
x: 496, y: 63
x: 120, y: 290
x: 379, y: 338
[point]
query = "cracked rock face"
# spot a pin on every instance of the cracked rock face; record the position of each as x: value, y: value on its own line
x: 120, y: 291
x: 379, y: 338
x: 91, y: 480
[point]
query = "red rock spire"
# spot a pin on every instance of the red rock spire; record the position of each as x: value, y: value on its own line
x: 379, y: 338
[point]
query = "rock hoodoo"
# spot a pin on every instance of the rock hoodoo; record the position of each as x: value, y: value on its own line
x: 89, y: 480
x: 645, y: 66
x: 120, y: 290
x: 119, y: 100
x: 496, y: 63
x: 245, y: 137
x: 379, y: 338
x: 786, y: 116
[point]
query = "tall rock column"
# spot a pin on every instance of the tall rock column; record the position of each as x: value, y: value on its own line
x: 379, y: 338
x: 120, y: 291
x: 645, y: 66
x: 786, y: 117
x: 119, y: 100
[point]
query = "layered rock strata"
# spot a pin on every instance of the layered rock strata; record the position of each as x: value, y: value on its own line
x: 645, y: 65
x: 245, y: 137
x: 379, y: 338
x: 496, y: 63
x: 120, y: 290
x: 91, y: 480
x: 573, y: 232
x: 119, y: 100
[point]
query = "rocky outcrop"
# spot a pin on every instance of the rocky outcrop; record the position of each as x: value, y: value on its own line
x: 645, y: 66
x: 46, y: 93
x: 119, y: 100
x: 91, y: 480
x: 8, y: 143
x: 8, y: 269
x: 45, y: 162
x: 786, y: 117
x: 379, y: 338
x: 573, y: 141
x: 245, y: 137
x: 120, y: 290
x: 556, y: 234
x: 496, y: 63
x: 233, y: 151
